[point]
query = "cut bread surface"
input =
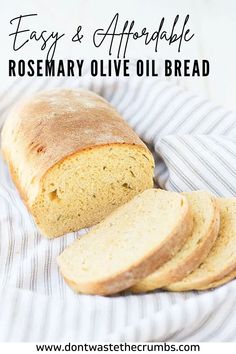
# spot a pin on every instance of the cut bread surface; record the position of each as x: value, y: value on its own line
x: 86, y: 187
x: 206, y: 220
x: 221, y: 260
x: 73, y: 159
x: 129, y: 244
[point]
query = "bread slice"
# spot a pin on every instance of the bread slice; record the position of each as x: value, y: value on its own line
x: 206, y: 223
x: 73, y: 159
x: 217, y: 283
x: 221, y: 260
x: 129, y: 244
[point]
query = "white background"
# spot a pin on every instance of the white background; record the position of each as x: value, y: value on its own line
x: 212, y: 21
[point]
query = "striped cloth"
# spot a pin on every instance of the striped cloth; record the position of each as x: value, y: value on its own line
x: 194, y: 144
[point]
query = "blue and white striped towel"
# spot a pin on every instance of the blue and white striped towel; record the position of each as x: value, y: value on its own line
x: 194, y: 144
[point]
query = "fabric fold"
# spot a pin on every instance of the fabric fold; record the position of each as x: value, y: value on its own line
x: 194, y: 145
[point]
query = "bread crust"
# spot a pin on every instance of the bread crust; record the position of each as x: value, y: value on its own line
x: 203, y: 285
x: 22, y: 192
x: 226, y: 279
x: 206, y: 282
x: 54, y: 125
x: 188, y: 264
x: 143, y: 267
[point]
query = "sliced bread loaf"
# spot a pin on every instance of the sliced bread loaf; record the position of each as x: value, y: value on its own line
x: 73, y: 159
x: 220, y: 282
x: 129, y: 244
x: 221, y: 260
x: 206, y: 220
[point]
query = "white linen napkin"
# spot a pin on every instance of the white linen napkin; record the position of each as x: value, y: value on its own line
x: 194, y: 144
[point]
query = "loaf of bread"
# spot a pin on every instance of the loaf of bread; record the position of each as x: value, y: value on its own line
x: 221, y: 261
x: 206, y: 224
x: 129, y: 244
x: 73, y: 159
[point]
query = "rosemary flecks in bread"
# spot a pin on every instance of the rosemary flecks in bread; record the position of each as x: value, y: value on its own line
x: 73, y: 159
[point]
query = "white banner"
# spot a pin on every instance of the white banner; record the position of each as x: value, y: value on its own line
x: 203, y: 348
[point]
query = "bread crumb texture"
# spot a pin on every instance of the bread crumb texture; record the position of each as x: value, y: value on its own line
x: 221, y: 261
x: 73, y: 159
x: 206, y: 220
x: 85, y: 188
x: 128, y: 244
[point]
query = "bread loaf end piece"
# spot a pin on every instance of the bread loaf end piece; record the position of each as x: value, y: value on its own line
x: 73, y: 159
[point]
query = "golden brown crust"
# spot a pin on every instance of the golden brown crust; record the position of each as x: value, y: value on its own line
x: 202, y: 250
x: 206, y: 279
x: 54, y: 125
x: 22, y: 193
x: 142, y: 267
x: 227, y: 278
x: 16, y: 181
x: 200, y: 285
x: 189, y: 264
